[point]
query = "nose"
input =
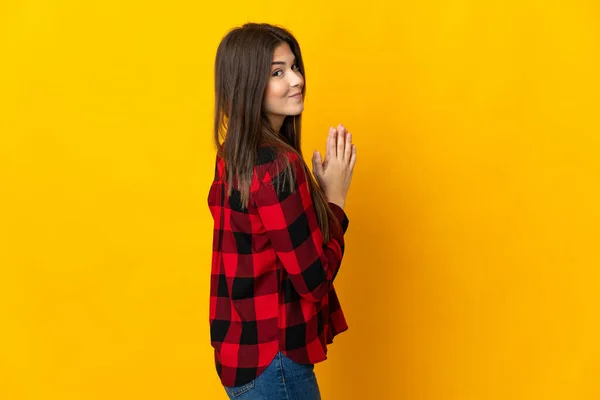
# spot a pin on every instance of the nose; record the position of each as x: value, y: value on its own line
x: 296, y: 79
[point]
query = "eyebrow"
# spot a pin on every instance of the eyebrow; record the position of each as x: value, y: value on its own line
x: 281, y: 62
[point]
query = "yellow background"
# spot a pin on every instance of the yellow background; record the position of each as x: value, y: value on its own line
x: 472, y: 261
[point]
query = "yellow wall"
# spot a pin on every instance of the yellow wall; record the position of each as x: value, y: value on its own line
x: 472, y: 264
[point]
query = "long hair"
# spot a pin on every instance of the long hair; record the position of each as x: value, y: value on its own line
x: 242, y: 73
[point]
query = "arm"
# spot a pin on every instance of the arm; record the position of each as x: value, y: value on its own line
x: 291, y: 223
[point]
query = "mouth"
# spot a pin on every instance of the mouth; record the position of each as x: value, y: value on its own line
x: 296, y: 95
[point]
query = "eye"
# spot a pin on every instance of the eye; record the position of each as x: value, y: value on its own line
x: 295, y: 67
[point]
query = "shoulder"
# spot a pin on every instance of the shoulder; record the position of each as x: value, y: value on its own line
x: 270, y: 155
x: 272, y: 162
x: 267, y: 157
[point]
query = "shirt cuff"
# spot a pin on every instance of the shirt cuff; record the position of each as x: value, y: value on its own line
x: 340, y: 215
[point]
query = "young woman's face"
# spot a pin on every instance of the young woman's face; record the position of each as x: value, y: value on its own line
x: 283, y: 96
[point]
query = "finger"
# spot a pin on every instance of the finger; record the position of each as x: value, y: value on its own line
x: 352, y: 158
x: 317, y: 165
x: 348, y: 150
x: 334, y: 143
x: 341, y: 140
x: 330, y: 149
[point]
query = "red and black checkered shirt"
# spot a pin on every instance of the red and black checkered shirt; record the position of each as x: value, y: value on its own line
x: 272, y: 276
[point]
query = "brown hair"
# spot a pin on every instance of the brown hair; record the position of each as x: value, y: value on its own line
x: 242, y: 73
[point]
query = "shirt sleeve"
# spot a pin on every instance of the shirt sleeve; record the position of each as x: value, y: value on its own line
x: 290, y: 221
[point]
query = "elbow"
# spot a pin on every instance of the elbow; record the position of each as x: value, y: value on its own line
x: 318, y: 293
x: 294, y: 290
x: 315, y: 283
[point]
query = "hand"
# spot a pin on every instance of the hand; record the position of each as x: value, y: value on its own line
x: 335, y: 174
x: 330, y: 150
x: 316, y: 158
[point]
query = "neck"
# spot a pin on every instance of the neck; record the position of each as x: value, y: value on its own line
x: 276, y: 122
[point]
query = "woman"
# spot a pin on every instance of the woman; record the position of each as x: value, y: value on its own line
x: 278, y: 232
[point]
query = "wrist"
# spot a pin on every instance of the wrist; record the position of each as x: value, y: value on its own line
x: 338, y: 202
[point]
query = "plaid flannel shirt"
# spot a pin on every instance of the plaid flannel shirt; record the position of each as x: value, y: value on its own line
x: 272, y: 276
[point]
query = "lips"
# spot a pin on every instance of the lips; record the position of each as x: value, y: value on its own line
x: 296, y: 94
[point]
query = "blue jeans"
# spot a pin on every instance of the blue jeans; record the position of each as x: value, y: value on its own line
x: 283, y: 379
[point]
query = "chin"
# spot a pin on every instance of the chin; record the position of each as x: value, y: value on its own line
x: 298, y: 111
